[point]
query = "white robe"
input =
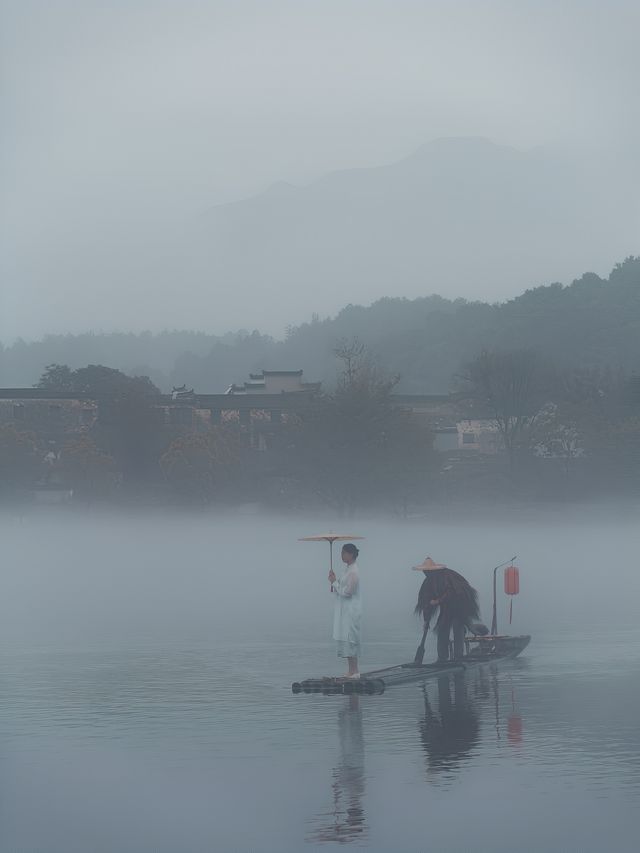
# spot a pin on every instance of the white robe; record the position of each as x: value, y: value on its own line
x: 347, y: 614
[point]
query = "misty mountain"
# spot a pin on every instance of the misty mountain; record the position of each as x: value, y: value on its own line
x: 459, y: 216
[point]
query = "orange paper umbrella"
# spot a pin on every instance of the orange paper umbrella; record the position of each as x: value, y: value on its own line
x: 330, y: 538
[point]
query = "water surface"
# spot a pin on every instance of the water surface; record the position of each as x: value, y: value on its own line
x: 146, y: 663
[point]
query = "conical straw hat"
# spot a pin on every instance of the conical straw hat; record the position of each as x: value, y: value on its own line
x: 429, y: 566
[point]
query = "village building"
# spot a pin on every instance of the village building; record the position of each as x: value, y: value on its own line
x: 274, y: 382
x: 481, y: 436
x: 56, y: 415
x: 260, y: 404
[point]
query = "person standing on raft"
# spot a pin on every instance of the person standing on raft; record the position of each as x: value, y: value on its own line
x: 347, y: 615
x: 454, y: 598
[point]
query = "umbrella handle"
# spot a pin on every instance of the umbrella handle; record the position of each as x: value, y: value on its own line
x: 331, y: 559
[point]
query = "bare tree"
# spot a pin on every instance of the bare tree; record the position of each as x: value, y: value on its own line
x: 358, y: 447
x: 508, y: 386
x: 354, y: 358
x: 557, y: 436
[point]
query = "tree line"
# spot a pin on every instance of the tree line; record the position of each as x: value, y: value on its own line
x: 353, y: 448
x: 565, y: 433
x: 592, y: 322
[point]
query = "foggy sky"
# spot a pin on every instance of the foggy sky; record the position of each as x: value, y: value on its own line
x: 124, y: 121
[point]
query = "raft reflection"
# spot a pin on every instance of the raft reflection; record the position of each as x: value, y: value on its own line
x: 346, y: 820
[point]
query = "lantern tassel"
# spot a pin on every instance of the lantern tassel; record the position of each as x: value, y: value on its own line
x: 510, y: 610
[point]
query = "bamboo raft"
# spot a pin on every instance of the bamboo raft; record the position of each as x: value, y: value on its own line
x: 479, y: 650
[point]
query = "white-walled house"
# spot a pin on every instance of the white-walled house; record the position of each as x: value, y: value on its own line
x: 482, y: 436
x: 274, y: 382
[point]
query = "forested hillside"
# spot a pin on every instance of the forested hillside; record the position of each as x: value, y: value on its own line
x: 590, y: 322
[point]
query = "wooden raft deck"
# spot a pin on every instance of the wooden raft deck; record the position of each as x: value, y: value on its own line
x: 486, y: 650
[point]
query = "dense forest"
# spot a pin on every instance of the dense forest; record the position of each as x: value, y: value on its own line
x: 593, y: 322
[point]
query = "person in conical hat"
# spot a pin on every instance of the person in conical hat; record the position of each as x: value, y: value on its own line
x: 453, y: 598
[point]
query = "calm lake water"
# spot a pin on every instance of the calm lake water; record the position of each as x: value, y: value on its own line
x: 146, y: 664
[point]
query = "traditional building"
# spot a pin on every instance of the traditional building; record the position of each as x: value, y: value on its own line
x: 482, y: 436
x: 274, y: 382
x: 54, y: 415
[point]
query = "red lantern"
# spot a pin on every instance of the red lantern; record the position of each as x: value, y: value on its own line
x: 511, y: 585
x: 511, y: 580
x: 514, y: 729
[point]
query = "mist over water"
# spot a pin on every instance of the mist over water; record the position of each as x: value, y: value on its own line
x: 146, y: 663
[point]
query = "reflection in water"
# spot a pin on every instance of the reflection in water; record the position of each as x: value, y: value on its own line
x: 514, y: 721
x: 346, y: 821
x: 490, y: 686
x: 515, y: 735
x: 449, y: 734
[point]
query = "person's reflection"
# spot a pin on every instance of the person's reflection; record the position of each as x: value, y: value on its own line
x: 449, y: 733
x: 346, y: 821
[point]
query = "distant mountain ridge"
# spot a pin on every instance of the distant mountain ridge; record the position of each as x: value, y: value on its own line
x: 458, y: 215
